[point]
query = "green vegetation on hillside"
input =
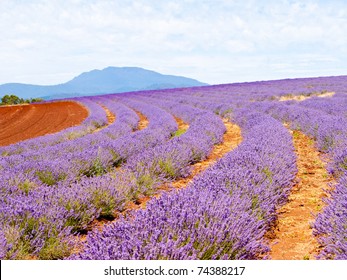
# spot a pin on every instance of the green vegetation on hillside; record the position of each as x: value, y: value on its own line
x: 13, y: 100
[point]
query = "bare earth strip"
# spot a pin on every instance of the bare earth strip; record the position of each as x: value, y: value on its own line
x: 23, y: 122
x: 143, y: 123
x: 231, y: 139
x: 293, y: 233
x: 110, y: 118
x: 303, y: 97
x: 181, y: 124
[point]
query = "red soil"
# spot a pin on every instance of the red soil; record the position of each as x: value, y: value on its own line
x: 143, y: 123
x: 181, y: 124
x: 110, y: 117
x: 293, y: 239
x: 22, y: 122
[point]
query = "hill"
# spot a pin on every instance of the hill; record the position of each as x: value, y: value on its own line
x: 108, y: 80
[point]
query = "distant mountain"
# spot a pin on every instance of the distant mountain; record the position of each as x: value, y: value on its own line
x: 108, y: 80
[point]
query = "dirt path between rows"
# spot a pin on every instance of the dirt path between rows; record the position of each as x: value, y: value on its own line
x: 293, y: 238
x: 231, y: 139
x: 111, y: 118
x: 23, y: 122
x: 183, y: 126
x: 304, y: 97
x: 143, y: 123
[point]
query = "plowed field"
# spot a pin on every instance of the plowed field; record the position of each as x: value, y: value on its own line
x: 22, y: 122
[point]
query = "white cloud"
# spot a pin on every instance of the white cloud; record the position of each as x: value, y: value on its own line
x: 47, y: 42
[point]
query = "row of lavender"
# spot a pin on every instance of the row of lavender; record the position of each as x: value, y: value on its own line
x: 325, y: 121
x: 28, y: 216
x: 222, y: 214
x: 27, y: 200
x: 70, y: 203
x: 223, y: 108
x: 329, y: 131
x: 40, y: 205
x: 38, y: 218
x: 327, y: 127
x: 93, y: 153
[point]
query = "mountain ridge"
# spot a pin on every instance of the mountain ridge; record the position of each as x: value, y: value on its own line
x: 108, y: 80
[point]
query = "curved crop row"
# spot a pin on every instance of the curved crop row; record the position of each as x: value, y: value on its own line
x: 329, y: 132
x: 47, y: 216
x: 54, y: 186
x: 222, y: 214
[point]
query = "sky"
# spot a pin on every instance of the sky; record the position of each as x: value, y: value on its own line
x: 50, y: 42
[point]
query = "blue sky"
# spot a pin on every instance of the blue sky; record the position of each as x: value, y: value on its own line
x: 49, y: 42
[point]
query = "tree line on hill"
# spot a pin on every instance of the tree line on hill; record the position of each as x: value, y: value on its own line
x: 13, y: 100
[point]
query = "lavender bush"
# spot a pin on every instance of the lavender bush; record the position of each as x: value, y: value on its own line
x: 53, y: 187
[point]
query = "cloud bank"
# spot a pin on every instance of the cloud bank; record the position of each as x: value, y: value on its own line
x: 48, y: 42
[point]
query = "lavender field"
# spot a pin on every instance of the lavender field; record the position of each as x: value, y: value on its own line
x: 78, y: 193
